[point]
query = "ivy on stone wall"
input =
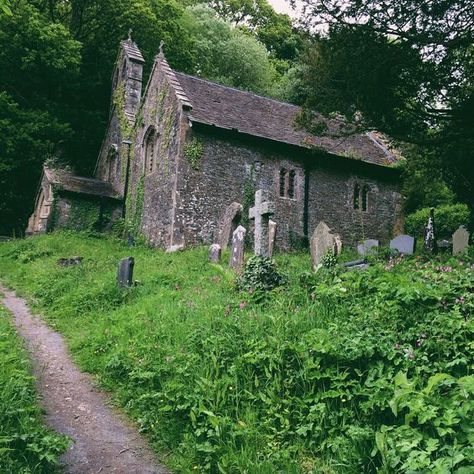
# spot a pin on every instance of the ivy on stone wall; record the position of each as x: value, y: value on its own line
x: 85, y: 216
x: 134, y: 209
x: 193, y: 152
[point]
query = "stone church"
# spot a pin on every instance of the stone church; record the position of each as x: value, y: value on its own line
x: 182, y: 157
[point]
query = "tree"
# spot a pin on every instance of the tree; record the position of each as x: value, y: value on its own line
x: 405, y: 68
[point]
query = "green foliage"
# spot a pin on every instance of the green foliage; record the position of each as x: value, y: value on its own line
x: 134, y: 209
x: 305, y: 381
x: 447, y: 219
x: 260, y: 275
x: 26, y: 445
x: 193, y: 151
x: 329, y: 260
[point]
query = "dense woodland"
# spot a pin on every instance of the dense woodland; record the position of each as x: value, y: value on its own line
x: 405, y: 70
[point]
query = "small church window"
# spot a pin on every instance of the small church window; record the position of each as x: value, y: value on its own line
x: 291, y: 184
x: 365, y: 198
x: 356, y: 199
x: 150, y: 150
x: 282, y: 182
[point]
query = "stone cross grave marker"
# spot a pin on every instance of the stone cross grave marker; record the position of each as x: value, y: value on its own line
x: 404, y: 244
x: 365, y: 247
x: 261, y: 212
x: 323, y: 241
x: 125, y: 272
x: 272, y: 228
x: 215, y: 253
x: 236, y: 260
x: 460, y: 240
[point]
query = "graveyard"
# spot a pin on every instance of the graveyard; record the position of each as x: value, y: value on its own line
x: 318, y: 374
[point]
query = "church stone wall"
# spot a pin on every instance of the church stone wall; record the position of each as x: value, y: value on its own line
x: 229, y: 171
x: 151, y: 200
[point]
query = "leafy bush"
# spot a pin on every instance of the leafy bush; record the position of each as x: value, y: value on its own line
x: 260, y: 275
x: 447, y: 219
x: 329, y: 260
x: 26, y: 446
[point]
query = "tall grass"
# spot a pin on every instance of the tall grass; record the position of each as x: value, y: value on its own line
x: 26, y: 446
x: 301, y: 382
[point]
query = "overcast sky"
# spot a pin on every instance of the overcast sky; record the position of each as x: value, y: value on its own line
x: 282, y: 6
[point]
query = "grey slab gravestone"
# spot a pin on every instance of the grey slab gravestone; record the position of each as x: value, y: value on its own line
x: 365, y: 247
x: 323, y: 241
x: 261, y: 212
x: 236, y: 260
x: 272, y: 229
x: 228, y: 223
x: 404, y: 244
x: 215, y: 253
x: 125, y: 272
x: 460, y: 240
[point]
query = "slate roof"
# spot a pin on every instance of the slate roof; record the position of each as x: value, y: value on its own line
x: 245, y: 112
x: 66, y: 181
x: 132, y: 51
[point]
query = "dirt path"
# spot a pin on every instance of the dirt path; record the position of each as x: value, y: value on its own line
x: 104, y: 442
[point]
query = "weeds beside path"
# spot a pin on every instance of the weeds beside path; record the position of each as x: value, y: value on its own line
x: 102, y: 440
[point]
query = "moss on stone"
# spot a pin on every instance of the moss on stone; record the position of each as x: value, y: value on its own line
x: 193, y: 152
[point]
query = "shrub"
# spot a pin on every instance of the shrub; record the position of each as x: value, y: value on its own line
x: 260, y: 274
x: 447, y: 219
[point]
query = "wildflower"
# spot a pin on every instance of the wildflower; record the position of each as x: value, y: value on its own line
x: 242, y: 304
x: 409, y: 354
x: 397, y: 346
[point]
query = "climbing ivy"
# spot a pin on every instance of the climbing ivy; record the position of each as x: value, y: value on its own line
x: 118, y: 99
x: 134, y: 209
x: 193, y: 152
x: 85, y: 216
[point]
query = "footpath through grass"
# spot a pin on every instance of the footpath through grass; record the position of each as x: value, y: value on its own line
x: 26, y: 446
x: 335, y: 372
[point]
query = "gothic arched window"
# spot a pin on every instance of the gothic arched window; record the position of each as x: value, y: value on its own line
x: 150, y: 138
x: 291, y: 184
x: 282, y: 181
x: 356, y: 198
x: 365, y: 198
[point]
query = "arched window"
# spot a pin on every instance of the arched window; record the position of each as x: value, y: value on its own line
x: 356, y: 198
x: 150, y: 137
x: 365, y: 198
x: 291, y: 184
x: 282, y: 182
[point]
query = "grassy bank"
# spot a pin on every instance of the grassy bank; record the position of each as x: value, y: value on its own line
x: 334, y: 372
x: 26, y: 446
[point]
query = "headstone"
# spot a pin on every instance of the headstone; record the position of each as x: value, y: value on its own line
x: 237, y: 251
x: 366, y: 246
x: 67, y: 262
x: 125, y: 272
x: 430, y: 238
x: 323, y: 241
x: 404, y: 244
x: 261, y: 212
x: 228, y: 224
x: 272, y: 228
x: 460, y: 240
x: 215, y: 253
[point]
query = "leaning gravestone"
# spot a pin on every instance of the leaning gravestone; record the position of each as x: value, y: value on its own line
x: 125, y: 272
x: 215, y: 253
x: 237, y: 251
x: 366, y: 246
x: 404, y: 244
x: 460, y: 240
x: 261, y: 212
x: 272, y: 228
x: 323, y: 241
x: 228, y: 223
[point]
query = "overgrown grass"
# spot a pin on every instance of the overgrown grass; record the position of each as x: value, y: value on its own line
x: 331, y: 373
x: 26, y: 446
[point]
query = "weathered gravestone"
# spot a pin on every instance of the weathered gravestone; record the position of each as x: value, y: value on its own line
x: 215, y: 253
x: 272, y: 228
x: 404, y: 244
x: 365, y: 247
x: 125, y: 272
x: 430, y: 238
x: 228, y: 223
x: 237, y: 251
x: 261, y: 212
x: 460, y: 240
x: 323, y: 241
